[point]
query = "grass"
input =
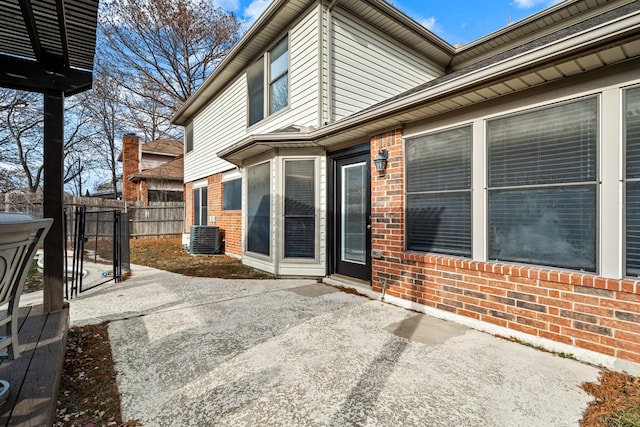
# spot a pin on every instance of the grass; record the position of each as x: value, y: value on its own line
x: 616, y: 403
x: 34, y: 279
x: 168, y: 254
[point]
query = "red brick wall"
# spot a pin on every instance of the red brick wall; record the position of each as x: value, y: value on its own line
x: 130, y: 166
x: 574, y: 308
x: 230, y: 222
x: 188, y: 206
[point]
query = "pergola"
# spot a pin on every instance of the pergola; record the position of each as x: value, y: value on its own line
x: 48, y: 46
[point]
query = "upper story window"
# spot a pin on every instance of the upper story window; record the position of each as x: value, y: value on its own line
x: 543, y: 180
x: 279, y: 76
x: 188, y: 137
x: 268, y: 89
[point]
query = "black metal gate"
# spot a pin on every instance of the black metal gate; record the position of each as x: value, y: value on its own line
x: 101, y: 238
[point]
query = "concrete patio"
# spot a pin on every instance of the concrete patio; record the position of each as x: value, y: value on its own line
x: 198, y: 351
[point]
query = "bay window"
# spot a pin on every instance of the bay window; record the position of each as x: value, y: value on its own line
x: 259, y: 209
x: 299, y: 209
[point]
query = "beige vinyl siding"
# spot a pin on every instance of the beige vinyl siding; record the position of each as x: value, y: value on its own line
x: 223, y: 122
x: 219, y: 124
x: 368, y: 67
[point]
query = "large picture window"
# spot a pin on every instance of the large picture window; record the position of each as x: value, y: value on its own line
x: 200, y: 206
x: 632, y: 148
x: 542, y: 179
x: 258, y: 209
x: 439, y: 192
x: 299, y: 209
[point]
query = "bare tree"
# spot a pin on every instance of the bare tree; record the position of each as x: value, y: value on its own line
x: 161, y: 51
x: 22, y: 136
x: 106, y: 114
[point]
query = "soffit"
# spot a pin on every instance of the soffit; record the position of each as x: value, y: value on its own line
x: 399, y: 26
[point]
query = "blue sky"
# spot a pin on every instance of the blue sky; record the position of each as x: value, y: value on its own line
x: 456, y: 21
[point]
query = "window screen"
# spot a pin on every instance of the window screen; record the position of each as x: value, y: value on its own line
x: 632, y: 148
x: 255, y: 86
x: 258, y: 209
x: 299, y: 209
x: 542, y: 186
x: 439, y: 192
x: 232, y: 195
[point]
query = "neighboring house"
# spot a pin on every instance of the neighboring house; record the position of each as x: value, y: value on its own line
x: 105, y: 190
x: 511, y: 193
x: 153, y: 171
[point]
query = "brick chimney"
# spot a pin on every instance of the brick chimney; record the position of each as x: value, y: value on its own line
x: 130, y: 166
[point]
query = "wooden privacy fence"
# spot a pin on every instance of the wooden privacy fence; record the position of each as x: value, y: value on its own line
x: 158, y: 219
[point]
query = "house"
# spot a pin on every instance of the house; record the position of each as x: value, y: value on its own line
x: 153, y: 171
x: 507, y: 192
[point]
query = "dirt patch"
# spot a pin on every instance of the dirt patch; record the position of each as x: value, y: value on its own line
x: 88, y: 392
x: 168, y: 254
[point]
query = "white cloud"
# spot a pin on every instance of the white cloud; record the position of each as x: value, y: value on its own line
x: 429, y: 23
x: 255, y: 9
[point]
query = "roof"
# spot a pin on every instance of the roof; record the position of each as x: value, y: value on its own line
x: 47, y: 44
x: 167, y: 147
x: 596, y: 42
x: 172, y: 147
x: 170, y: 171
x: 395, y: 23
x: 277, y: 18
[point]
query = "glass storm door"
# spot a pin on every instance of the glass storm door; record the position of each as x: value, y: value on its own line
x: 352, y: 229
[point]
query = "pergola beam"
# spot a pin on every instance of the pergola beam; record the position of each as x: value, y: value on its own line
x: 23, y: 74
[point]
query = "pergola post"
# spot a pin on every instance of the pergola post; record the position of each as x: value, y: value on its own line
x: 54, y: 250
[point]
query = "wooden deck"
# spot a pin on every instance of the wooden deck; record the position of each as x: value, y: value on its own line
x: 34, y: 377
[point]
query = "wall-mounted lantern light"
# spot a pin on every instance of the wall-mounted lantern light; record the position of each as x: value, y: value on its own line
x: 380, y: 161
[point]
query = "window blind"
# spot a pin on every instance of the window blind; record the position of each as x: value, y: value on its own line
x: 439, y: 192
x: 299, y: 209
x: 259, y: 208
x: 542, y: 186
x: 547, y: 146
x: 632, y: 149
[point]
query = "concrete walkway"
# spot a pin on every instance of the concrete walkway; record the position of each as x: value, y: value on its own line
x: 205, y: 352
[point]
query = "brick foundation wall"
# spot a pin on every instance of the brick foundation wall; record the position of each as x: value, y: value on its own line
x: 582, y: 310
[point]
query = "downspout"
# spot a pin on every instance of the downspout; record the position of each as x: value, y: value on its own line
x: 330, y: 63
